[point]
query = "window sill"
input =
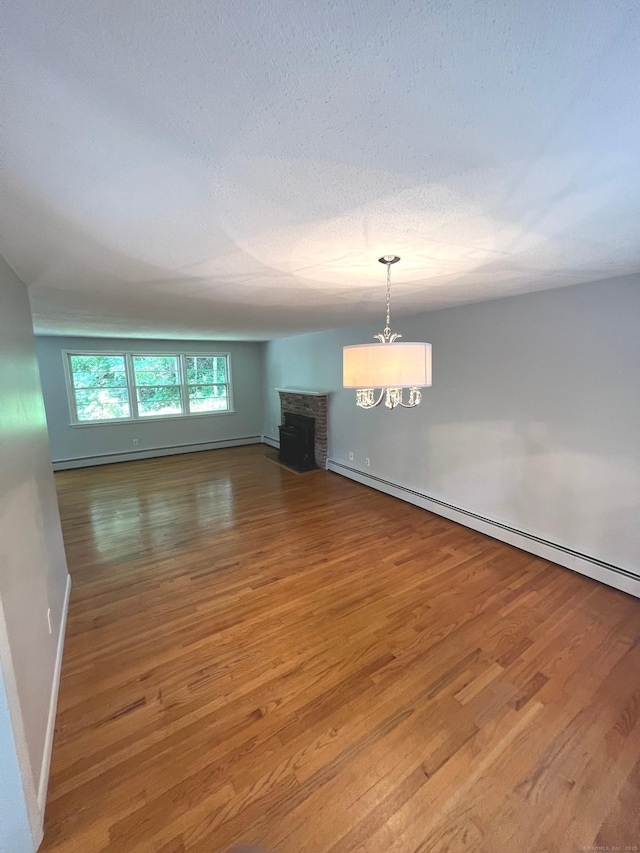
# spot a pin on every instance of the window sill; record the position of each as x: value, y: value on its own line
x: 149, y: 420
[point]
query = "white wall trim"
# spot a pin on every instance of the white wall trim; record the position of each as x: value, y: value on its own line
x: 53, y: 704
x: 272, y: 442
x: 606, y: 573
x: 151, y: 453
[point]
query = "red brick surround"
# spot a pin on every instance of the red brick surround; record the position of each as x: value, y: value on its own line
x: 314, y: 406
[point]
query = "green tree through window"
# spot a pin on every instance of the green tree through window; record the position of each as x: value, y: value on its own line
x: 207, y: 382
x: 100, y: 386
x: 117, y: 386
x: 157, y: 379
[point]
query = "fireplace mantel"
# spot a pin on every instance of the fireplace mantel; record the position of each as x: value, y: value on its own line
x: 303, y: 391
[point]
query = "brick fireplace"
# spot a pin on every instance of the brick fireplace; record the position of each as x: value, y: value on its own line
x: 313, y: 404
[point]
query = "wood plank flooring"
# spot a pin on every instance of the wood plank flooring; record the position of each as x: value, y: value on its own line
x: 310, y: 666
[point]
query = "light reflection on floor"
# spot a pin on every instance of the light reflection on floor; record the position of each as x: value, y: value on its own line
x: 126, y: 526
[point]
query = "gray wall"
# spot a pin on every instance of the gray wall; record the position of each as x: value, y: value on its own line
x: 33, y: 572
x: 533, y: 419
x: 15, y: 831
x: 91, y: 441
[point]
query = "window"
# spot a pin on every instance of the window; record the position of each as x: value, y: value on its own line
x: 100, y: 387
x: 207, y: 383
x: 132, y: 386
x: 158, y: 386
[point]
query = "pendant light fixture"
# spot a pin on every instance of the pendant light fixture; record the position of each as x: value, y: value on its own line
x: 388, y: 365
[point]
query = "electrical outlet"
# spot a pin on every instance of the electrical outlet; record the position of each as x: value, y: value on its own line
x: 351, y: 455
x: 135, y: 442
x: 49, y: 620
x: 367, y: 462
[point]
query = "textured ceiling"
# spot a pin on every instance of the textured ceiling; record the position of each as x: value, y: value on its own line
x: 183, y: 168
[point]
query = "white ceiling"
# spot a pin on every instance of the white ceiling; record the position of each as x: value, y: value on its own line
x: 188, y: 168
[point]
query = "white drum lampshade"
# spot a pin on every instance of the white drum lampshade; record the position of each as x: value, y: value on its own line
x: 392, y: 365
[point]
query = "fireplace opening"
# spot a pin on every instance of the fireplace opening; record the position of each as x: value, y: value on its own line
x: 297, y: 442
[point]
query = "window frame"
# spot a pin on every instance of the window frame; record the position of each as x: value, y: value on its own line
x: 132, y: 387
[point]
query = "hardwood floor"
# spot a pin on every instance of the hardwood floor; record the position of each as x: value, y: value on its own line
x: 311, y: 666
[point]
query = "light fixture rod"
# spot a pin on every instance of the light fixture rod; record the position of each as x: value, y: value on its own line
x: 387, y: 329
x: 386, y: 336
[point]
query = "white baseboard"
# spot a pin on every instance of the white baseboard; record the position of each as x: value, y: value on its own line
x: 606, y: 573
x: 53, y: 704
x: 152, y: 453
x: 266, y: 439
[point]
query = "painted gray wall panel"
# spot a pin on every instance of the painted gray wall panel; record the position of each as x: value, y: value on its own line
x: 33, y: 571
x: 73, y: 442
x: 15, y: 834
x: 532, y: 421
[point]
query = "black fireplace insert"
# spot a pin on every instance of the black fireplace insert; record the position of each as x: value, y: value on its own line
x: 297, y: 440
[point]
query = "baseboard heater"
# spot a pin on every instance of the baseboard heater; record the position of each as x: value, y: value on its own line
x: 592, y: 567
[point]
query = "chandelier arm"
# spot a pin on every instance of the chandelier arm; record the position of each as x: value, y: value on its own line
x: 393, y: 397
x: 372, y: 405
x: 415, y: 398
